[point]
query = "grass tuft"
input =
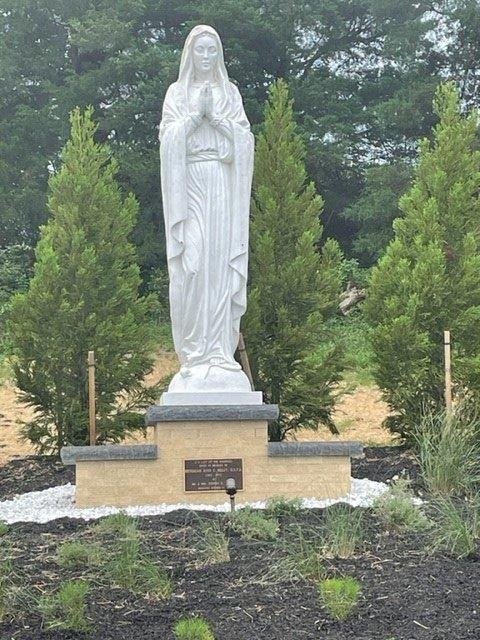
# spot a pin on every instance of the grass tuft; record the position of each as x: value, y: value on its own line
x: 119, y: 524
x: 253, y: 525
x: 6, y: 569
x: 211, y: 544
x: 128, y: 567
x: 16, y: 593
x: 153, y: 579
x: 303, y: 558
x: 3, y: 528
x: 457, y: 528
x: 397, y: 510
x: 305, y: 548
x: 279, y: 506
x: 193, y: 629
x: 67, y: 608
x: 130, y: 570
x: 339, y: 596
x: 75, y: 555
x: 449, y: 454
x: 343, y: 529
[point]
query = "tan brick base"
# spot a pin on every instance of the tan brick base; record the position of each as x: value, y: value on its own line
x: 139, y: 482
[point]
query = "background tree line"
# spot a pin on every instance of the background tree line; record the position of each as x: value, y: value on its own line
x: 362, y: 74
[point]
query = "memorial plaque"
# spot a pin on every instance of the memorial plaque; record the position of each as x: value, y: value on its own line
x: 211, y: 475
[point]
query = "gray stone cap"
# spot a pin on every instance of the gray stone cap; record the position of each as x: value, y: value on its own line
x: 70, y: 455
x: 321, y: 448
x: 215, y: 412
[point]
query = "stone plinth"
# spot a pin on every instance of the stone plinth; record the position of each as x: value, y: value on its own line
x: 212, y: 398
x: 234, y: 436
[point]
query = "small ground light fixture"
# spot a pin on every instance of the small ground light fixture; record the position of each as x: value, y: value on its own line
x: 231, y: 489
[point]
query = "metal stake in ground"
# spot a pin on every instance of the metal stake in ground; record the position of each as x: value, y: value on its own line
x: 91, y: 397
x: 448, y: 373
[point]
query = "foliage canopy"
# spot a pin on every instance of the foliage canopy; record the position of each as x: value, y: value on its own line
x: 362, y: 81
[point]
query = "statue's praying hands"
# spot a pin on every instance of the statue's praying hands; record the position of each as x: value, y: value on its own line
x: 204, y: 108
x: 206, y: 101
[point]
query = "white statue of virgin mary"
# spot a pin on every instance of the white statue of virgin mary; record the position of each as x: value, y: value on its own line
x: 206, y: 155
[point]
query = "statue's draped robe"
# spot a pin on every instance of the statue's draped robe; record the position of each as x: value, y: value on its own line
x: 206, y: 182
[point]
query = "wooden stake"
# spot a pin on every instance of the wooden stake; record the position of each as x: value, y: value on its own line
x: 242, y: 352
x: 91, y: 397
x: 448, y: 373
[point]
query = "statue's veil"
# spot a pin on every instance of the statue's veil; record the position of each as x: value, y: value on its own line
x: 186, y: 72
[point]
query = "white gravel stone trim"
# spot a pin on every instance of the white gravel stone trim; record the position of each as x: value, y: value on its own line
x: 58, y: 502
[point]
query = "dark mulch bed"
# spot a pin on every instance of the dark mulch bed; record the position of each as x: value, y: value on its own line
x: 407, y: 592
x: 384, y: 463
x: 34, y: 473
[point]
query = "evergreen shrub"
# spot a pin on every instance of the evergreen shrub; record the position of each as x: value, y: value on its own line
x: 429, y: 279
x: 294, y: 280
x: 83, y: 296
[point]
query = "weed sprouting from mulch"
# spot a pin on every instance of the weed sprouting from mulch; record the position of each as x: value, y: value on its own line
x: 127, y: 566
x: 211, y: 544
x: 254, y: 525
x: 302, y: 557
x: 458, y: 527
x: 6, y: 569
x: 305, y: 548
x: 76, y: 554
x: 193, y: 629
x: 66, y: 609
x: 16, y: 594
x: 118, y: 524
x: 339, y: 596
x: 130, y: 569
x: 343, y: 531
x: 397, y: 509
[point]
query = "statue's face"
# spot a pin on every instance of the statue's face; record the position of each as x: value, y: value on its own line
x: 205, y: 54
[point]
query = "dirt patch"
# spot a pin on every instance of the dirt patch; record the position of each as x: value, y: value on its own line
x: 359, y: 415
x: 11, y: 412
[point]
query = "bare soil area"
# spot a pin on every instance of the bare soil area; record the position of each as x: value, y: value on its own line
x: 359, y: 415
x: 11, y: 412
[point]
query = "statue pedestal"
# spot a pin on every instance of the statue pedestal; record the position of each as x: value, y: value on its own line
x: 232, y: 398
x: 196, y: 448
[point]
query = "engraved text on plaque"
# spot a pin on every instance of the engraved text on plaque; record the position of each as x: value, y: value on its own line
x: 211, y: 475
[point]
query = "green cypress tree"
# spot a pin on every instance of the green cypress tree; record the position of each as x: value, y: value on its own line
x: 294, y: 286
x: 429, y: 278
x: 83, y: 295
